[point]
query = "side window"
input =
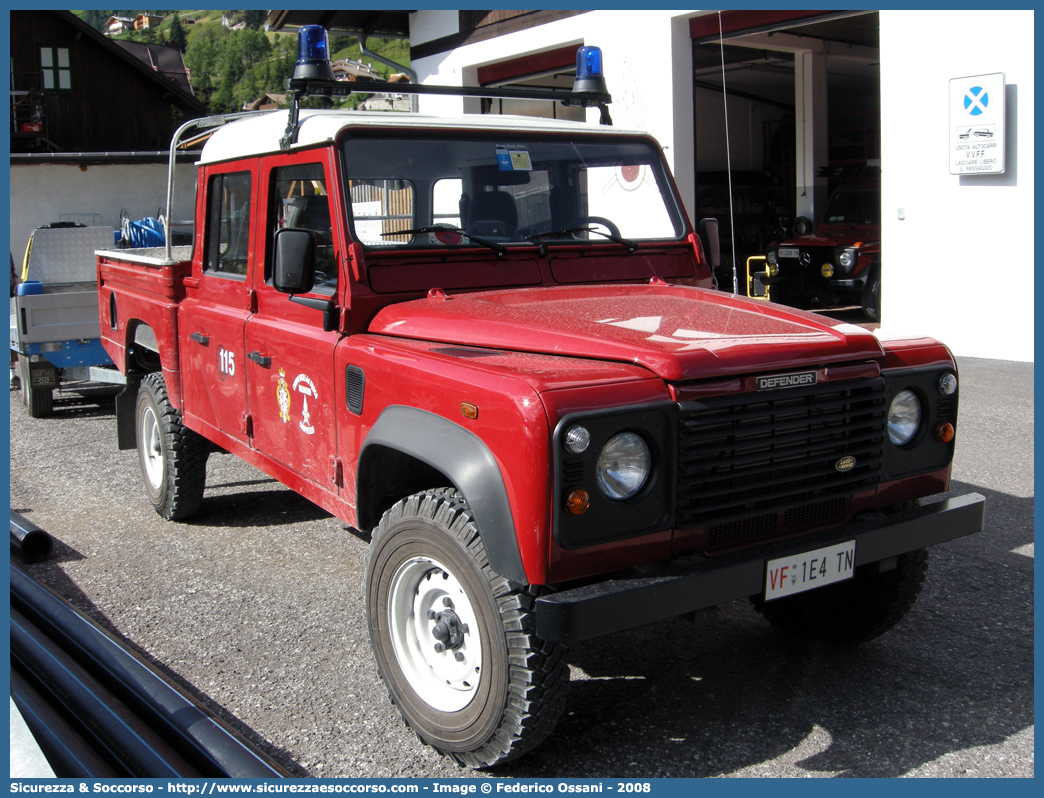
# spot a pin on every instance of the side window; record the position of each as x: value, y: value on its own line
x: 299, y: 199
x: 228, y: 224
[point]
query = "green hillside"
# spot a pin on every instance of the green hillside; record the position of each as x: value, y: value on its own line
x: 229, y: 68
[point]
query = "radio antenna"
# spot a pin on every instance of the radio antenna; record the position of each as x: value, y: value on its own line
x: 728, y: 158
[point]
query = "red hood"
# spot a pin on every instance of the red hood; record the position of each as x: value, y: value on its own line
x: 837, y: 235
x: 677, y: 332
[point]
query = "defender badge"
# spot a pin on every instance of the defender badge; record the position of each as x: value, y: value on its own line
x: 786, y: 380
x: 845, y: 463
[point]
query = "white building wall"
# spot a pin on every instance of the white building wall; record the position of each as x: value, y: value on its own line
x: 960, y: 266
x: 41, y: 193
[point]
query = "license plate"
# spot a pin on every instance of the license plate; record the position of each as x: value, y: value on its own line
x: 800, y: 572
x: 789, y: 252
x: 44, y: 378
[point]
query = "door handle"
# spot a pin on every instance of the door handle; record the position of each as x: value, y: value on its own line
x: 200, y: 338
x: 260, y: 359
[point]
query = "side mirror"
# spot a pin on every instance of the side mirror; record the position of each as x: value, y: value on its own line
x: 708, y: 233
x: 293, y: 271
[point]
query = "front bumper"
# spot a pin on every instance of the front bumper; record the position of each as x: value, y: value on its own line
x: 811, y: 283
x: 692, y: 583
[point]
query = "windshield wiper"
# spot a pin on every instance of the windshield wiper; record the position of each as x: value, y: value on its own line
x: 632, y: 246
x: 500, y: 249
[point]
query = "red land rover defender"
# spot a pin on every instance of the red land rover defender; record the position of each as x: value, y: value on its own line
x: 493, y: 342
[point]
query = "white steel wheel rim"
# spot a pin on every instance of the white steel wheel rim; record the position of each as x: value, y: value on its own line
x: 152, y: 449
x: 446, y: 680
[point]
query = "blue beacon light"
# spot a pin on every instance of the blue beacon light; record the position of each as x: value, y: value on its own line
x: 589, y: 76
x: 588, y: 62
x: 313, y: 53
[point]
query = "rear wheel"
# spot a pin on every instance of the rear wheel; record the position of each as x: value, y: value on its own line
x: 454, y: 640
x: 38, y: 399
x: 173, y: 458
x: 854, y: 611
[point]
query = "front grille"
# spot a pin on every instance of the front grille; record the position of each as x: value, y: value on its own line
x: 758, y: 455
x: 817, y: 257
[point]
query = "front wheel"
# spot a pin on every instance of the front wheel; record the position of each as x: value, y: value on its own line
x: 785, y: 296
x: 453, y: 640
x: 173, y: 458
x: 871, y: 297
x: 853, y: 611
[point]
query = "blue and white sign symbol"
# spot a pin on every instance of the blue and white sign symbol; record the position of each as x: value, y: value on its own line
x: 975, y: 100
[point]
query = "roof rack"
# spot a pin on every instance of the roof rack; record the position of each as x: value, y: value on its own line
x: 313, y: 77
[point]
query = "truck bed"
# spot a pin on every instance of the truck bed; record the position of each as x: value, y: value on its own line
x: 148, y: 256
x: 138, y: 295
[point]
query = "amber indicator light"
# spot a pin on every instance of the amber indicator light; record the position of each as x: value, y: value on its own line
x: 577, y: 501
x: 944, y: 432
x: 468, y: 410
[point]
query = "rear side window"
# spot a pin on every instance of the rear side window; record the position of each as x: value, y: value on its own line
x: 228, y: 224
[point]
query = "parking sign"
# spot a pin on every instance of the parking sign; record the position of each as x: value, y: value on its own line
x: 977, y: 125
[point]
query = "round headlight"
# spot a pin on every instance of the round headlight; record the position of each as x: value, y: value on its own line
x: 904, y: 417
x: 623, y: 466
x: 844, y: 260
x: 772, y: 256
x: 827, y: 270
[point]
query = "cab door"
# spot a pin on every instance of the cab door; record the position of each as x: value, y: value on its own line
x: 213, y: 314
x: 289, y: 358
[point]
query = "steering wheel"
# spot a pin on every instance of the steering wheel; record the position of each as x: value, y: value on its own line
x: 606, y: 223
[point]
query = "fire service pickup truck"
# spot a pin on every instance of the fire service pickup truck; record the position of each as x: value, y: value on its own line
x: 840, y: 263
x: 493, y: 342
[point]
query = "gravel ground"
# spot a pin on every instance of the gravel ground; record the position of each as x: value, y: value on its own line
x: 256, y: 605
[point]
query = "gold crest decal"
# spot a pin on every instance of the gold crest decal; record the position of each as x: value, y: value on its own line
x: 283, y: 396
x: 845, y: 463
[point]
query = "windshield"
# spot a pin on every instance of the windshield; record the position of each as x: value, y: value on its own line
x: 503, y: 189
x: 854, y: 206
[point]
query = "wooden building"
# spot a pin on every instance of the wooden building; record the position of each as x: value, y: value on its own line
x: 74, y: 90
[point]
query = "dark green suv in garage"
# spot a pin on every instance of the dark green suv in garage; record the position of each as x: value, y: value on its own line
x: 840, y: 263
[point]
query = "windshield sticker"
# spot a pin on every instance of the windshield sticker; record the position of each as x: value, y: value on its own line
x: 514, y: 160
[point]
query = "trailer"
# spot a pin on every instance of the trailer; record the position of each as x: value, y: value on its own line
x: 55, y: 330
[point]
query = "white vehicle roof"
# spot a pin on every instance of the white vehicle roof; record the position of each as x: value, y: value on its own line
x: 258, y: 135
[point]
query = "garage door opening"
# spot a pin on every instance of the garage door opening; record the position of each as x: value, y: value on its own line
x: 786, y: 110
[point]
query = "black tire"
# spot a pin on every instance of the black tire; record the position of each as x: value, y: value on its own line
x: 38, y: 401
x: 784, y: 296
x: 871, y: 296
x: 495, y: 690
x: 854, y: 611
x: 173, y: 458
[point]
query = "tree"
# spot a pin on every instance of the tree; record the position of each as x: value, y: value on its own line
x: 177, y: 33
x: 254, y: 19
